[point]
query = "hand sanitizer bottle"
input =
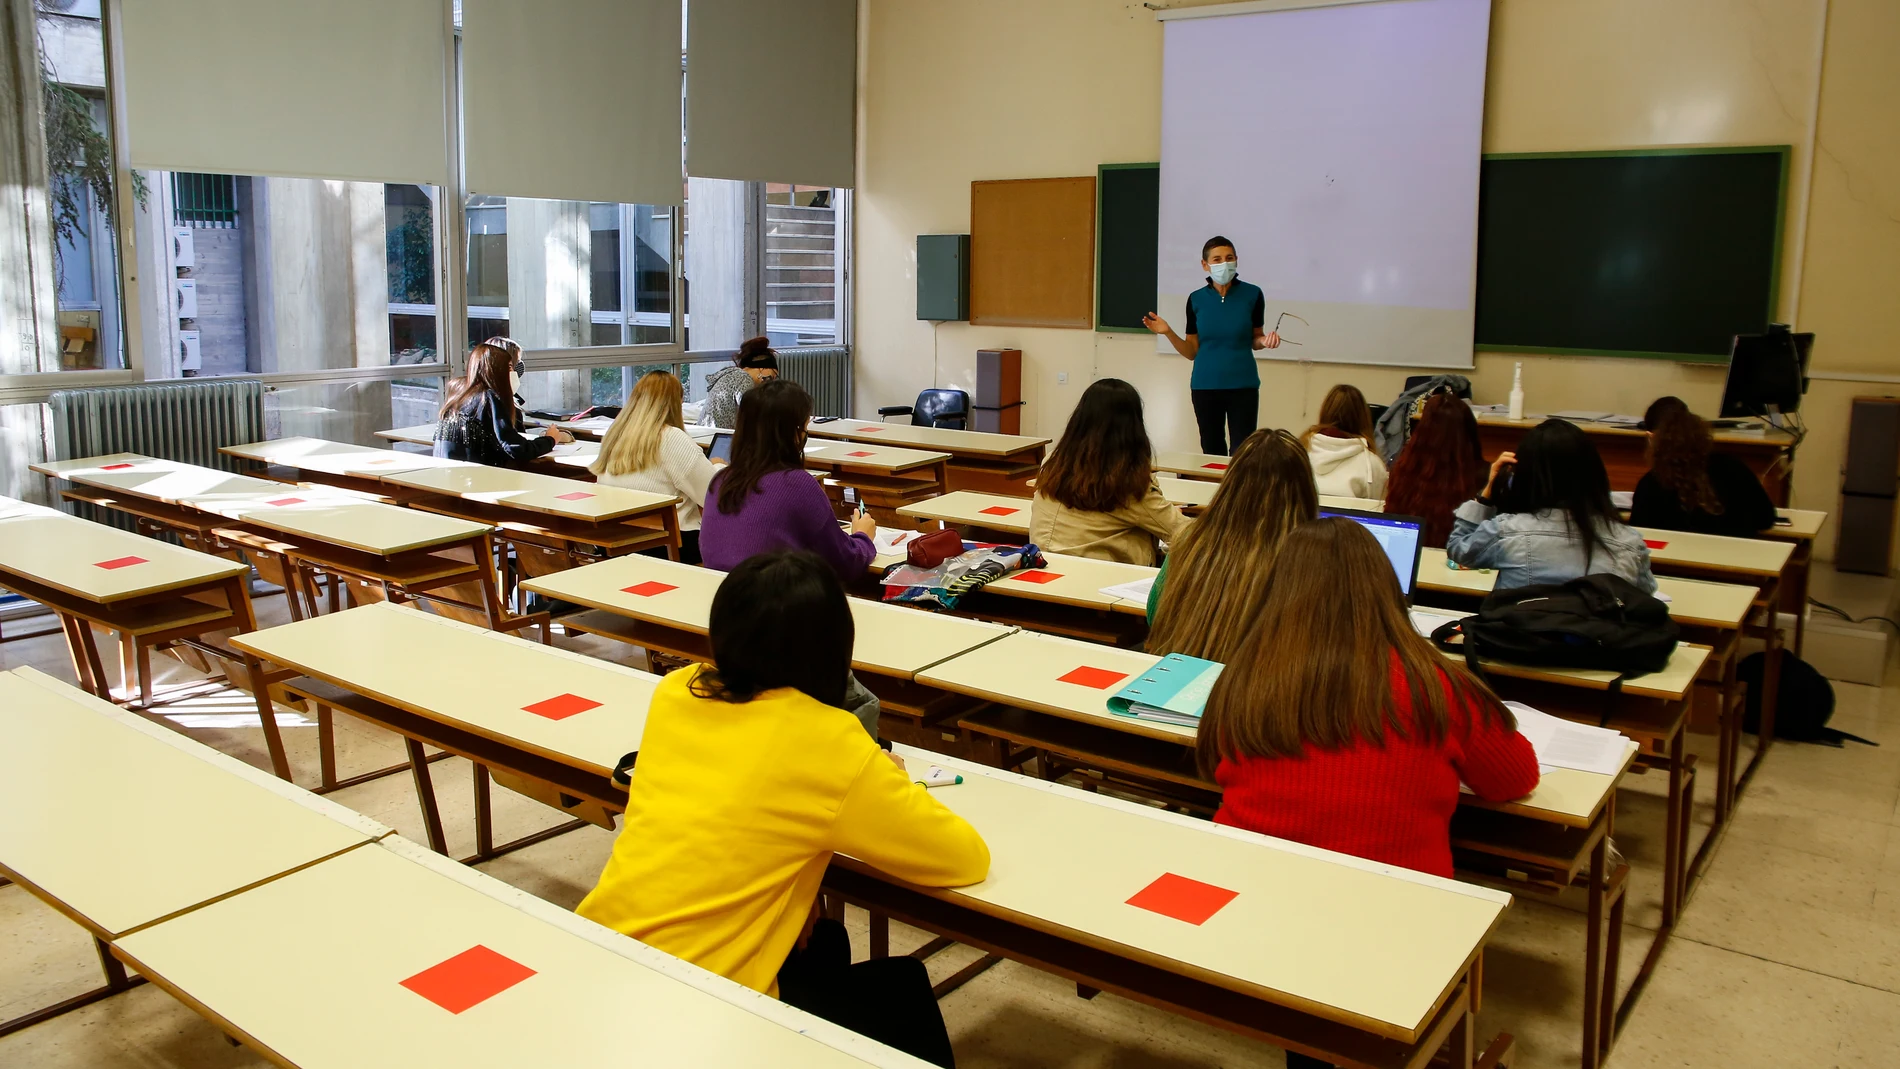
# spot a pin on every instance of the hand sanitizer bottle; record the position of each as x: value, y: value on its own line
x: 1517, y: 392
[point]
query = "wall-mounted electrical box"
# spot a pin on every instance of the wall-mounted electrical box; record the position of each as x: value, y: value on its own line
x: 943, y: 276
x: 185, y: 298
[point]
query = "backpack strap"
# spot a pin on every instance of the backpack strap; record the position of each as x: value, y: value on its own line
x: 1610, y: 694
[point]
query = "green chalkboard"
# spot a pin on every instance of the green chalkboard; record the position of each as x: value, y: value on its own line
x: 1127, y: 228
x: 1663, y: 253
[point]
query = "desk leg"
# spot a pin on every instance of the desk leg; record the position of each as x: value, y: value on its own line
x: 484, y: 814
x: 425, y: 796
x: 76, y: 649
x: 1673, y: 845
x: 1593, y: 971
x: 267, y: 719
x: 1461, y: 1045
x: 90, y: 646
x: 116, y: 981
x: 491, y: 598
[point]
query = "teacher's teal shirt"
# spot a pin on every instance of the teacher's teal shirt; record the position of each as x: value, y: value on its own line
x: 1225, y: 326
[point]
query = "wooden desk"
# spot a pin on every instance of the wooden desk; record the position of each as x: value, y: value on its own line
x: 151, y: 593
x: 570, y: 523
x: 1803, y: 528
x: 198, y: 824
x: 1188, y: 495
x: 978, y: 460
x: 472, y: 692
x: 885, y: 478
x: 1366, y: 977
x: 159, y: 480
x: 373, y: 918
x: 1625, y: 450
x: 1193, y: 465
x: 356, y: 467
x: 420, y: 434
x: 977, y: 513
x: 664, y: 608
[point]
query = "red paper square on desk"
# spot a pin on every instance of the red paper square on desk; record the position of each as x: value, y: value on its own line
x: 1216, y: 467
x: 1183, y: 899
x: 999, y: 510
x: 116, y: 467
x: 119, y: 562
x: 861, y: 453
x: 1037, y: 576
x: 472, y: 977
x: 578, y: 495
x: 562, y: 706
x: 870, y: 430
x: 1654, y: 544
x: 647, y: 589
x: 282, y: 501
x: 1099, y: 678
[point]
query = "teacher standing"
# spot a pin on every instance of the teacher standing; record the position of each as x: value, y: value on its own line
x: 1226, y: 323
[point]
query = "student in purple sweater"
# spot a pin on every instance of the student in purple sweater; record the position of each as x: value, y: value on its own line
x: 765, y: 500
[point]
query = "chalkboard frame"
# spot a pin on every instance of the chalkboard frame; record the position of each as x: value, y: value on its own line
x: 1101, y: 184
x: 1772, y: 301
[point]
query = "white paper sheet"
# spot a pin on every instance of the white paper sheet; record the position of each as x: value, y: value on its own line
x: 891, y: 539
x: 565, y: 449
x: 1623, y: 499
x: 1135, y: 591
x: 1562, y: 744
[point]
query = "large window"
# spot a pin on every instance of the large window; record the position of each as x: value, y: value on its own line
x: 556, y: 274
x: 804, y: 260
x: 265, y: 275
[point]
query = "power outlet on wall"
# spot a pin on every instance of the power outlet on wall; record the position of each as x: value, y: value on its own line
x: 1062, y: 378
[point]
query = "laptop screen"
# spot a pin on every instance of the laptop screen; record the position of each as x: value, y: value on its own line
x: 1399, y: 536
x: 721, y: 448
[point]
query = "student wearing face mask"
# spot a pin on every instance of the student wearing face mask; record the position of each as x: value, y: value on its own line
x: 1226, y: 323
x: 479, y: 421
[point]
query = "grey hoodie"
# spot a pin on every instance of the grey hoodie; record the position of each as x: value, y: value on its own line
x: 723, y: 390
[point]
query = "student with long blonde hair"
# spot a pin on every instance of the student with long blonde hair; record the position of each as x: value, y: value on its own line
x: 1214, y: 580
x: 1345, y: 462
x: 647, y: 448
x: 1336, y: 724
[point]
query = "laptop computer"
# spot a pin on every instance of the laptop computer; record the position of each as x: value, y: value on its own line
x: 1402, y: 538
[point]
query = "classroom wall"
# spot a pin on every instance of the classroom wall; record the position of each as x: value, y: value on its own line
x: 950, y: 93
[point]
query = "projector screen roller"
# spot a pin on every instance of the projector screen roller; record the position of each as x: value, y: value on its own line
x: 1339, y: 147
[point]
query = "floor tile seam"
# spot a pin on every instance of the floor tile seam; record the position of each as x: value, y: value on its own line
x: 1787, y: 965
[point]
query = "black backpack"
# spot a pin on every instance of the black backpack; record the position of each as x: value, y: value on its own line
x: 1804, y: 702
x: 1598, y: 621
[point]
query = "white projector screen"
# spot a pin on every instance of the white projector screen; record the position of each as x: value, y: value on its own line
x: 1338, y: 146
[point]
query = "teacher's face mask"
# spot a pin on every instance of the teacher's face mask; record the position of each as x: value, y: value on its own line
x: 1222, y: 274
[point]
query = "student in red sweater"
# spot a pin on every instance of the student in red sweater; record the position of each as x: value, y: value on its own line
x: 1337, y: 725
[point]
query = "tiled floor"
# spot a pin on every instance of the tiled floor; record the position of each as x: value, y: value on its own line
x: 1788, y: 954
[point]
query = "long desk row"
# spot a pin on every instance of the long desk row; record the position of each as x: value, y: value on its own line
x: 252, y: 901
x: 1002, y: 696
x: 1379, y: 973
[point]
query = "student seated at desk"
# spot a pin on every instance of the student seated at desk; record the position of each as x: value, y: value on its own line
x: 1545, y: 516
x: 479, y: 420
x: 1096, y: 494
x: 1214, y: 580
x: 1441, y: 466
x: 1689, y: 487
x: 1338, y: 725
x: 1345, y: 464
x: 765, y: 500
x: 751, y: 776
x: 753, y: 364
x: 647, y: 448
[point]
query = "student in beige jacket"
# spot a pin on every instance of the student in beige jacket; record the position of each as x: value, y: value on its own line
x: 1096, y: 495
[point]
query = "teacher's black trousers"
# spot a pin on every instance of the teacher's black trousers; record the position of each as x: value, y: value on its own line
x: 1235, y: 412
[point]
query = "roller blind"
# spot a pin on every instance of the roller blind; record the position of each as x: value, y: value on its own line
x: 771, y: 90
x: 572, y: 99
x: 350, y: 89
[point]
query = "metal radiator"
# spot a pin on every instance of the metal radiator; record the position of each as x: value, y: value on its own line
x: 824, y: 373
x: 184, y: 421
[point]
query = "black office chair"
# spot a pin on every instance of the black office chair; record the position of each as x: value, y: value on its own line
x: 935, y: 407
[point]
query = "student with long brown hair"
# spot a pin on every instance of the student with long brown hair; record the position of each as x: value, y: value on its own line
x: 1215, y: 578
x: 1338, y: 725
x: 1345, y: 462
x: 1441, y: 466
x: 479, y: 421
x: 647, y: 448
x: 1689, y: 486
x: 1096, y: 494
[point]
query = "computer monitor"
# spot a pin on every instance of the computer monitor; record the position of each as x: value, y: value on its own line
x: 1402, y: 538
x: 1767, y: 373
x: 721, y: 448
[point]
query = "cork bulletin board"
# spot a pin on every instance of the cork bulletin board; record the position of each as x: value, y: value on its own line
x: 1032, y: 253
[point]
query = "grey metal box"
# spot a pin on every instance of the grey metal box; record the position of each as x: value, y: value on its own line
x: 943, y: 276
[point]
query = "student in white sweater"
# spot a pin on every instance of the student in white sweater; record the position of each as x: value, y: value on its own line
x: 1340, y: 447
x: 647, y: 448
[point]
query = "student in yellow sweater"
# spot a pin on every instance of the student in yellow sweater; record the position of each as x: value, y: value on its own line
x: 750, y: 776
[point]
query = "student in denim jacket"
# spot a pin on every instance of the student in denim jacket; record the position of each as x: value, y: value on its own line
x: 1545, y: 516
